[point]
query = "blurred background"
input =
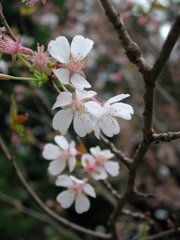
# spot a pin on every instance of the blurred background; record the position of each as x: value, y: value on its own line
x: 110, y: 73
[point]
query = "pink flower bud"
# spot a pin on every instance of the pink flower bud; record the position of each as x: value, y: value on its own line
x: 4, y: 77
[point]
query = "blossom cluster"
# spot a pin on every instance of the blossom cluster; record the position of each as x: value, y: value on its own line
x: 64, y: 156
x: 78, y: 105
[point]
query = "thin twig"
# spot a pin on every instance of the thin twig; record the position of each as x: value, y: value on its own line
x: 40, y: 203
x: 162, y: 234
x: 37, y: 215
x: 166, y: 137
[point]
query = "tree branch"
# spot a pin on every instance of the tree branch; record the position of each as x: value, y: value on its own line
x: 40, y: 203
x: 132, y: 49
x: 162, y: 234
x: 166, y: 137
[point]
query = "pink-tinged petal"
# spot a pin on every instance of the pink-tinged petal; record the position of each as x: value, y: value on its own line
x: 112, y: 168
x: 122, y: 110
x: 51, y: 151
x: 62, y: 120
x: 100, y: 174
x: 110, y: 126
x: 60, y: 49
x: 83, y: 94
x: 66, y: 198
x: 82, y: 123
x: 95, y: 109
x: 56, y: 167
x: 64, y: 181
x: 62, y: 74
x: 96, y: 151
x: 82, y: 203
x: 89, y: 190
x: 62, y: 142
x: 79, y: 82
x: 87, y: 159
x: 80, y: 47
x: 117, y: 98
x: 71, y: 163
x: 72, y: 148
x: 63, y: 99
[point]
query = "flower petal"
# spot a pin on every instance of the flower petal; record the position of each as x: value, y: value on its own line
x: 62, y: 142
x: 117, y: 98
x: 83, y: 94
x: 63, y: 99
x: 112, y: 168
x: 82, y: 123
x: 110, y: 126
x: 82, y: 203
x: 51, y: 151
x: 80, y: 47
x: 87, y: 159
x: 66, y: 198
x: 57, y: 166
x: 100, y: 173
x: 95, y: 109
x: 62, y: 120
x: 89, y: 190
x: 122, y: 110
x: 62, y: 74
x: 64, y: 181
x: 72, y: 163
x: 79, y: 82
x: 60, y: 49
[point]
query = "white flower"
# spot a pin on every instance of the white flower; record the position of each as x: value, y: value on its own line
x: 102, y: 159
x: 72, y: 59
x: 77, y: 191
x: 60, y: 155
x: 73, y: 109
x: 106, y: 115
x: 89, y: 166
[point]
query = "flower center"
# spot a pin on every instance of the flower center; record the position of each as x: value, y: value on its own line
x: 76, y: 187
x: 65, y: 154
x: 77, y: 105
x: 76, y: 65
x: 100, y: 160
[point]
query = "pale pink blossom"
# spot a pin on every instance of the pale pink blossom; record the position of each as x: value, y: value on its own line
x: 92, y: 168
x: 106, y: 114
x: 72, y: 59
x: 73, y: 109
x: 76, y: 192
x: 61, y: 155
x: 40, y: 59
x: 102, y: 158
x: 11, y: 47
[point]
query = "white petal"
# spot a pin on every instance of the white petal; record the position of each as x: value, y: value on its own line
x: 63, y: 181
x: 117, y: 98
x: 82, y: 123
x: 80, y: 47
x: 110, y: 126
x: 51, y: 151
x: 62, y: 120
x: 112, y: 168
x: 63, y: 99
x: 62, y: 142
x: 72, y: 163
x: 96, y: 128
x: 79, y: 82
x: 82, y: 203
x: 66, y: 198
x: 83, y: 94
x: 122, y: 110
x: 100, y: 174
x: 87, y: 159
x: 96, y: 151
x: 89, y: 190
x: 57, y: 166
x: 60, y: 49
x: 62, y: 74
x: 95, y: 109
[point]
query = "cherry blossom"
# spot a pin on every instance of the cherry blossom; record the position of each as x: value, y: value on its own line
x: 102, y: 159
x: 107, y: 113
x: 72, y: 59
x: 62, y: 154
x: 73, y: 109
x: 91, y: 168
x: 76, y: 192
x: 40, y: 59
